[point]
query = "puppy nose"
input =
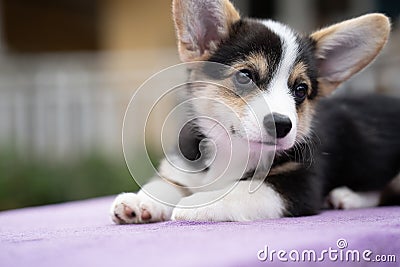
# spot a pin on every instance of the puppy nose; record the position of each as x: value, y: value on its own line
x: 281, y: 123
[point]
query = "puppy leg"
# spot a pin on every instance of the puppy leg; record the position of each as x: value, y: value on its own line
x: 345, y: 198
x: 145, y: 206
x: 237, y: 205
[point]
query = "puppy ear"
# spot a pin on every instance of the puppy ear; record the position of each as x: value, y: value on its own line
x: 346, y: 48
x: 200, y: 26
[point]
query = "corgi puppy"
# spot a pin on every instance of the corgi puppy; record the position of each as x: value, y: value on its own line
x: 265, y: 139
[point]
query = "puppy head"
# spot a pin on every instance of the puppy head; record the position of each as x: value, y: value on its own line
x: 279, y: 75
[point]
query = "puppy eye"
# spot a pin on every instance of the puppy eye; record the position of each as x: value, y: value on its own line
x: 244, y: 77
x: 300, y: 92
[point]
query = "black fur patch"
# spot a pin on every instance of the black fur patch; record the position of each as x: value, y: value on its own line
x: 301, y: 191
x: 360, y: 144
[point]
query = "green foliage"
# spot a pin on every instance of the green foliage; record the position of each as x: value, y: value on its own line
x: 32, y: 182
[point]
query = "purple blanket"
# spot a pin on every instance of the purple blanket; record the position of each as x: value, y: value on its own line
x: 81, y: 234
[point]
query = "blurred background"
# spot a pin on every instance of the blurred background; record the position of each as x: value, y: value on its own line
x: 69, y: 67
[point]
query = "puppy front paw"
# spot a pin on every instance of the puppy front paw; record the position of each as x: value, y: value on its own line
x: 138, y: 208
x: 185, y: 211
x: 193, y: 214
x: 344, y: 198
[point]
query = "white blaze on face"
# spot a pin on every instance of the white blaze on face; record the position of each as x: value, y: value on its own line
x: 278, y: 96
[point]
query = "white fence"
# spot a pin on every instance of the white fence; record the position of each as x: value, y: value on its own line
x: 61, y: 105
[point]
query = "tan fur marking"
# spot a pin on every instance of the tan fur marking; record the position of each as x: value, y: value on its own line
x: 237, y: 103
x: 256, y: 62
x: 220, y: 89
x: 299, y: 73
x: 305, y: 114
x: 231, y: 13
x: 284, y: 168
x: 305, y: 110
x: 226, y: 92
x: 325, y: 87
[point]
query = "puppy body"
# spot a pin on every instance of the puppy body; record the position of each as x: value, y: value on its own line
x: 354, y: 145
x: 360, y: 145
x: 325, y: 146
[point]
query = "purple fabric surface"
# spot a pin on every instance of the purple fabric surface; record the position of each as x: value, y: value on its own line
x: 81, y: 234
